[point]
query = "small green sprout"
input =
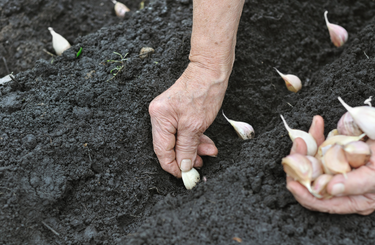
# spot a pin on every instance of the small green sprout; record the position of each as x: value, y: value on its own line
x: 79, y: 52
x: 119, y: 68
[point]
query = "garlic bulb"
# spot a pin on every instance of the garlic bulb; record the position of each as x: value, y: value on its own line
x: 244, y: 130
x: 120, y: 9
x: 59, y: 43
x: 320, y: 184
x: 293, y: 83
x: 337, y: 33
x: 347, y: 126
x: 317, y: 167
x: 358, y: 153
x: 299, y: 168
x: 364, y: 117
x: 190, y: 178
x: 309, y: 140
x: 335, y: 162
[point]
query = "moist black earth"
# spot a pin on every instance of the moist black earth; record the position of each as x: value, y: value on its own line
x: 76, y: 157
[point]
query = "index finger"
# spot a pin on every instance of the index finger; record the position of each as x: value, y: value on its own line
x: 317, y: 129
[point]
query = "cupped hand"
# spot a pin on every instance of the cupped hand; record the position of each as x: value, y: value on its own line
x: 355, y: 194
x: 181, y: 114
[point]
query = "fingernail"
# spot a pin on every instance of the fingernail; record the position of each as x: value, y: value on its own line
x: 337, y: 189
x: 185, y: 165
x: 294, y: 147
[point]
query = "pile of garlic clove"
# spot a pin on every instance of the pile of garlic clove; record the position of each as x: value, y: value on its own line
x: 343, y: 151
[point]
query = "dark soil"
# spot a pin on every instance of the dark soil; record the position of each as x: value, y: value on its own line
x: 76, y: 158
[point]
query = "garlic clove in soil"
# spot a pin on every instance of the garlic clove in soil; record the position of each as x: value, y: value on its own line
x: 309, y: 140
x: 244, y: 130
x: 293, y: 83
x: 335, y: 162
x: 190, y: 178
x: 145, y: 52
x: 317, y: 167
x: 364, y: 117
x: 337, y: 139
x: 320, y: 184
x: 298, y: 167
x: 358, y: 153
x: 347, y: 126
x: 120, y: 9
x: 59, y: 43
x: 337, y: 33
x: 333, y: 132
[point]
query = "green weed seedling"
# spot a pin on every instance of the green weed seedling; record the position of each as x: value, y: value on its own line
x: 79, y: 52
x: 118, y: 68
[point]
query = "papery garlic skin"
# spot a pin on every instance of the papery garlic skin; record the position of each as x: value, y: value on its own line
x: 299, y: 168
x: 335, y: 162
x: 364, y: 117
x: 332, y: 133
x: 190, y: 178
x: 337, y: 33
x: 292, y: 82
x: 309, y: 140
x: 347, y: 126
x: 59, y: 43
x: 244, y: 130
x: 320, y: 184
x: 317, y: 167
x: 357, y: 153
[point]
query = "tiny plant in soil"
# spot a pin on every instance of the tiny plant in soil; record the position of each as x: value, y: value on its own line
x: 118, y: 68
x: 79, y: 52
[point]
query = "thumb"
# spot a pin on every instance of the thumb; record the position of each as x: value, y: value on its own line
x: 358, y: 182
x: 186, y: 149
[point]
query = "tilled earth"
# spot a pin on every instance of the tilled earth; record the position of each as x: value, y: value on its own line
x: 76, y: 158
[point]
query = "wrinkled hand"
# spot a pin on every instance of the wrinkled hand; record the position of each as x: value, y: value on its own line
x: 181, y: 114
x: 356, y: 194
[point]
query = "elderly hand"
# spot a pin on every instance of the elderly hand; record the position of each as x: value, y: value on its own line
x: 356, y: 194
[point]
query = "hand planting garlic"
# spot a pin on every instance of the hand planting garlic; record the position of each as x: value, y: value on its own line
x: 309, y: 140
x: 59, y: 43
x: 120, y: 9
x: 190, y: 178
x: 337, y: 33
x: 244, y: 130
x: 292, y: 82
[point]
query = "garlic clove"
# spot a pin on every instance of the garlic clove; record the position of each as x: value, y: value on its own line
x: 190, y: 178
x: 335, y: 162
x: 309, y: 140
x: 337, y: 33
x: 298, y: 167
x: 347, y: 126
x: 320, y: 184
x: 358, y: 153
x: 293, y: 83
x: 120, y: 9
x: 244, y: 130
x: 337, y: 139
x: 333, y: 132
x: 145, y: 52
x: 364, y: 117
x: 317, y: 167
x: 59, y: 43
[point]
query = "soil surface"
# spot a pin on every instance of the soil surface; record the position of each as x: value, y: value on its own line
x: 76, y: 158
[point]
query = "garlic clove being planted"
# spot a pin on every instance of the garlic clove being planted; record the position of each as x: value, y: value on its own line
x: 337, y: 33
x: 309, y: 140
x: 358, y: 153
x: 317, y: 167
x: 59, y: 43
x: 320, y: 184
x: 335, y: 162
x: 347, y: 126
x: 298, y: 167
x: 190, y: 178
x: 244, y: 130
x: 364, y: 117
x: 293, y: 83
x: 120, y: 9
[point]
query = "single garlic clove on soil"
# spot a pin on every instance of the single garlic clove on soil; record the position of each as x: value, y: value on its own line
x: 358, y: 153
x: 337, y: 139
x: 333, y: 132
x: 244, y: 130
x: 190, y: 178
x: 120, y: 9
x: 293, y: 83
x: 320, y: 184
x: 317, y: 167
x: 337, y: 33
x: 59, y: 43
x: 364, y: 117
x: 347, y: 126
x: 335, y: 162
x: 145, y: 52
x: 309, y: 140
x: 298, y: 167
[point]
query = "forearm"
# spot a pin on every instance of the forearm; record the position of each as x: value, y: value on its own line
x: 213, y: 41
